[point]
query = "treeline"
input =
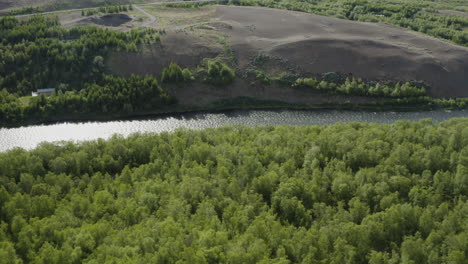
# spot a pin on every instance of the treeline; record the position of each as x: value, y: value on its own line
x: 411, y: 15
x: 40, y: 53
x: 344, y: 193
x: 331, y: 82
x: 107, y: 10
x: 196, y: 4
x: 110, y: 94
x: 26, y: 10
x: 174, y: 74
x: 355, y: 86
x: 74, y: 4
x: 10, y: 108
x: 452, y: 103
x: 212, y: 71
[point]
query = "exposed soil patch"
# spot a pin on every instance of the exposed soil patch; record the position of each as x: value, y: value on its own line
x: 318, y: 44
x: 113, y: 20
x: 199, y: 94
x: 176, y: 17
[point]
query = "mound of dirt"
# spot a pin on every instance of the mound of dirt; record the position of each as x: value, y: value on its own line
x: 113, y: 20
x: 317, y: 44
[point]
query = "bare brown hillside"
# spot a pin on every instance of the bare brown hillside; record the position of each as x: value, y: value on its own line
x: 318, y: 44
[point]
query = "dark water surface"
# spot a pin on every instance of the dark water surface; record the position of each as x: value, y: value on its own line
x: 29, y: 137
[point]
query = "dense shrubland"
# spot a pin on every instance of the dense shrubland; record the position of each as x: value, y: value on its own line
x: 212, y: 71
x: 71, y: 4
x: 68, y: 4
x: 110, y: 95
x: 26, y: 10
x: 39, y: 53
x: 345, y: 193
x: 174, y: 73
x: 355, y: 86
x: 216, y: 72
x: 331, y: 82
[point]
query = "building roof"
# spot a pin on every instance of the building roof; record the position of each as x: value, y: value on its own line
x: 46, y: 90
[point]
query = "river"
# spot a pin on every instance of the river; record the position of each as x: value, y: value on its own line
x: 30, y: 136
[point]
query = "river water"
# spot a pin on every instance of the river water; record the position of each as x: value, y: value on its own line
x: 29, y: 137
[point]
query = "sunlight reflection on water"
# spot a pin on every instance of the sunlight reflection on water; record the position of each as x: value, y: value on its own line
x: 29, y: 137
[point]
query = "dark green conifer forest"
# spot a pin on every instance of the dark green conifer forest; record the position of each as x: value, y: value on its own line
x: 343, y: 193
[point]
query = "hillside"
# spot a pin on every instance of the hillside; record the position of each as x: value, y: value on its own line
x: 202, y: 56
x: 312, y: 45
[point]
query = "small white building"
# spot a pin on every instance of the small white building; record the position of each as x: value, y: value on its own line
x: 46, y: 92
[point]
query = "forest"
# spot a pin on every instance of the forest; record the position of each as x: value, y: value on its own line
x: 108, y: 95
x: 343, y: 193
x: 40, y: 53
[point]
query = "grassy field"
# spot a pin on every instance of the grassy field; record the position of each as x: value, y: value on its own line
x: 170, y: 17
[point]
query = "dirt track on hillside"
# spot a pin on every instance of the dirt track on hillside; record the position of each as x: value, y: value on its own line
x: 4, y: 4
x: 318, y: 44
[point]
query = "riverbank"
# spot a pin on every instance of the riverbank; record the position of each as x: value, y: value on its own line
x: 30, y: 136
x: 240, y: 103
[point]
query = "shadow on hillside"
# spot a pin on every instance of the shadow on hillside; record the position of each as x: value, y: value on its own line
x: 113, y: 20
